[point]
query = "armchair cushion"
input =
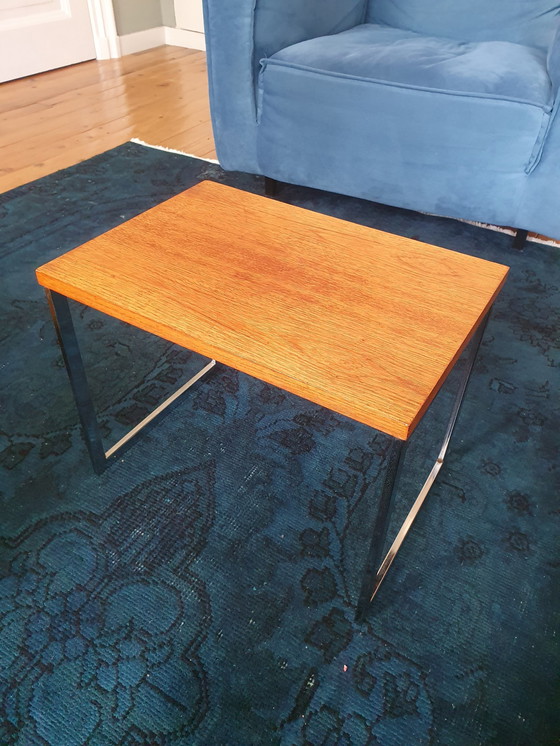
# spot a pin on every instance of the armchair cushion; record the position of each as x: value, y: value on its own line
x: 387, y: 55
x: 527, y: 22
x: 430, y: 110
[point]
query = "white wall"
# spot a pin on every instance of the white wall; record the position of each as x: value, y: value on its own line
x: 144, y: 24
x: 132, y: 16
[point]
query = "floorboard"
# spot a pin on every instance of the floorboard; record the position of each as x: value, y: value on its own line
x: 58, y: 118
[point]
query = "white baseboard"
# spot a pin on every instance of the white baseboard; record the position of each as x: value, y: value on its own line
x: 142, y: 40
x: 107, y: 49
x: 179, y: 37
x: 156, y: 37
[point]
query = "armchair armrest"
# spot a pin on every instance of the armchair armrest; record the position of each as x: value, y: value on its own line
x: 239, y: 33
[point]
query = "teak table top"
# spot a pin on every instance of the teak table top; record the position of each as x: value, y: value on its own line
x: 362, y: 322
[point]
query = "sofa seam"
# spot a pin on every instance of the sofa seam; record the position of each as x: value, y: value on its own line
x: 266, y: 62
x: 365, y: 11
x: 254, y: 76
x: 542, y: 138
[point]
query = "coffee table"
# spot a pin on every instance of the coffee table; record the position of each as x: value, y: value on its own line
x: 362, y: 322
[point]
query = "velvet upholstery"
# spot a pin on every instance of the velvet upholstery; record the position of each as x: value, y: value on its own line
x: 416, y: 105
x: 527, y: 22
x: 278, y: 25
x: 553, y: 59
x: 403, y: 58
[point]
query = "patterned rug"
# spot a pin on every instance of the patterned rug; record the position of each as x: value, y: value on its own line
x: 201, y: 591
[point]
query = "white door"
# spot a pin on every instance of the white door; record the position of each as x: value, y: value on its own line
x: 188, y: 15
x: 40, y: 35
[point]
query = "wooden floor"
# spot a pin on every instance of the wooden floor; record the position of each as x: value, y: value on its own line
x: 56, y: 119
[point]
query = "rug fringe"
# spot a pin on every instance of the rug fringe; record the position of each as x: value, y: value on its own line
x: 137, y: 141
x: 510, y: 232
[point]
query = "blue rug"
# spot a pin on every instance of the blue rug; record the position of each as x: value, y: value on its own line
x: 201, y: 591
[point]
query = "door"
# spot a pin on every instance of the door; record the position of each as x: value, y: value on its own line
x: 40, y: 35
x: 189, y: 16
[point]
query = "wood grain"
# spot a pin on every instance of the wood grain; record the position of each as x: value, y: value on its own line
x: 359, y: 321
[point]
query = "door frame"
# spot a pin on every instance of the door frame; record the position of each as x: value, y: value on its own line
x: 104, y: 27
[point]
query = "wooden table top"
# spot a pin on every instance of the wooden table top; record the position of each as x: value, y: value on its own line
x: 360, y: 321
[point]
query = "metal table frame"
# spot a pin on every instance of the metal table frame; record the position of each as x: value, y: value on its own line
x: 376, y: 568
x: 66, y: 334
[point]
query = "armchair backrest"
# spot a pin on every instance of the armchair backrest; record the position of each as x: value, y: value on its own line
x: 280, y: 23
x: 529, y: 22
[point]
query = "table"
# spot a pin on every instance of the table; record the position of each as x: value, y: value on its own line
x: 359, y: 321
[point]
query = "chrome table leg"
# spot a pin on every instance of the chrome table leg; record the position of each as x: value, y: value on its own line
x: 395, y: 461
x: 66, y: 335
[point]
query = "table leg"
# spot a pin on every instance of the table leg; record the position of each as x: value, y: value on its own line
x: 395, y: 461
x: 66, y: 335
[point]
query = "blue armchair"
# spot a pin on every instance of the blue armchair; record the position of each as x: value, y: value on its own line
x: 444, y: 106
